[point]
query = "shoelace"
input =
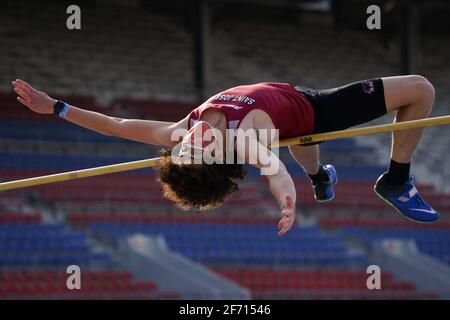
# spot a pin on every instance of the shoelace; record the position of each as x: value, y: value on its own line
x: 418, y: 198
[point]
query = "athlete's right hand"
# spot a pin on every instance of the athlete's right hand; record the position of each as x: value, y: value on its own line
x: 287, y: 215
x: 36, y: 101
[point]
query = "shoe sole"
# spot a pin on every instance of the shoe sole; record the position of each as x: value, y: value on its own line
x: 396, y: 209
x: 326, y: 200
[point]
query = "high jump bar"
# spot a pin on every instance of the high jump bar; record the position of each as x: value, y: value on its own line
x: 140, y: 164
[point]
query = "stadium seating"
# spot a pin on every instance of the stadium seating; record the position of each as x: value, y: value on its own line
x: 240, y: 243
x: 247, y: 251
x: 33, y: 255
x: 153, y: 79
x: 432, y: 240
x: 104, y: 284
x: 319, y: 284
x: 164, y: 44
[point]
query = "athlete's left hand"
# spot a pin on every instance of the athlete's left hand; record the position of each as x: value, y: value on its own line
x: 287, y: 216
x: 35, y: 100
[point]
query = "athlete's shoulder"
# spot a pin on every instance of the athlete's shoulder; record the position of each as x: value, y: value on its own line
x: 263, y: 84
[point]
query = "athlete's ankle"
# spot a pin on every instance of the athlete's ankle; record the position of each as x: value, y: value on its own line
x: 320, y: 177
x: 398, y: 173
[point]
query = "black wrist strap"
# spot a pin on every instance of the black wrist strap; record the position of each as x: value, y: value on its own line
x: 57, y: 108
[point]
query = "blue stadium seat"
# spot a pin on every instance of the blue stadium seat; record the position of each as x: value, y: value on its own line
x: 434, y: 242
x: 25, y: 244
x: 234, y: 243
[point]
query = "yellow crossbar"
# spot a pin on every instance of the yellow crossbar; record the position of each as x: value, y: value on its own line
x: 114, y: 168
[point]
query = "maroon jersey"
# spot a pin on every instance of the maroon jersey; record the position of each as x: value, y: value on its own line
x: 290, y: 111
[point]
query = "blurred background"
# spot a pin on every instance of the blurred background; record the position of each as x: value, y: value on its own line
x: 160, y: 59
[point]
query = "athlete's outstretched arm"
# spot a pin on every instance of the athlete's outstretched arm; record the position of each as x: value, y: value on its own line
x: 146, y: 131
x: 280, y: 182
x: 283, y: 189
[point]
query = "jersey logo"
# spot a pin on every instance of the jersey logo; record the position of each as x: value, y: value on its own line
x: 368, y: 87
x: 232, y: 106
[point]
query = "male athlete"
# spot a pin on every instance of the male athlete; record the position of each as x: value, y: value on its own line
x: 294, y: 111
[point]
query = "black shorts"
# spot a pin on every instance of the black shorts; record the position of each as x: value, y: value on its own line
x: 347, y: 106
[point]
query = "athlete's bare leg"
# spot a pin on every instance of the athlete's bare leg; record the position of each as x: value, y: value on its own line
x: 412, y: 98
x: 323, y: 178
x: 307, y: 157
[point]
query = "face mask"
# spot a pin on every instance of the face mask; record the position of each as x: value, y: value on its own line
x: 199, y: 144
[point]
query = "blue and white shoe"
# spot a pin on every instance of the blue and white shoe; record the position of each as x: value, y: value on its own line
x: 324, y: 192
x: 406, y: 200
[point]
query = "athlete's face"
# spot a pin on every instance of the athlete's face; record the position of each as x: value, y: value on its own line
x: 200, y: 145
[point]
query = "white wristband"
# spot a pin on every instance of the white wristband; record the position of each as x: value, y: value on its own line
x: 64, y: 111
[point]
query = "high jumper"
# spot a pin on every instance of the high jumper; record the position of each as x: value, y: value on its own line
x: 288, y: 110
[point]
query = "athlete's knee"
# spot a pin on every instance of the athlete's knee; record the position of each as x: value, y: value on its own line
x: 425, y: 92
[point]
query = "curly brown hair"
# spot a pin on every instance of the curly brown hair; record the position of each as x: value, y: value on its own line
x: 198, y: 186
